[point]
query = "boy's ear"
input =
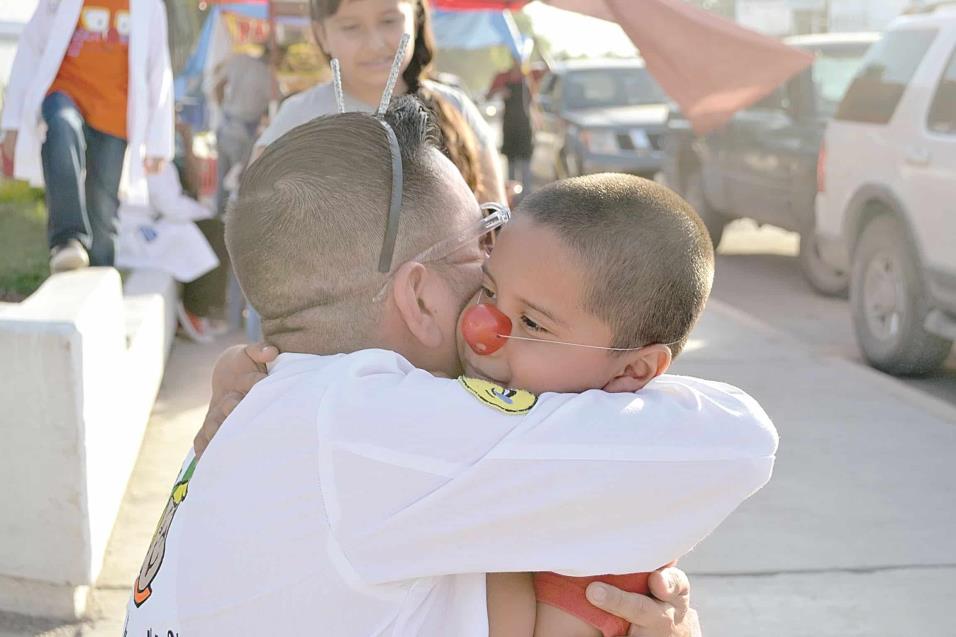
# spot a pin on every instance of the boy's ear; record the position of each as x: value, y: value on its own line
x: 415, y: 295
x: 637, y: 369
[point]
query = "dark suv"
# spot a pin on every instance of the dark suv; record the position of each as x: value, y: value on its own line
x: 598, y: 116
x: 763, y: 163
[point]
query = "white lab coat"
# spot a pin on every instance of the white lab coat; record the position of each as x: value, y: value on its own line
x: 149, y: 113
x: 163, y: 235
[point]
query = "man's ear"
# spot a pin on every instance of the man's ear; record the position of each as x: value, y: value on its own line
x: 634, y: 370
x: 415, y: 293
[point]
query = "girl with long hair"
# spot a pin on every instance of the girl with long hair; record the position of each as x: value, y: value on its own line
x: 364, y: 35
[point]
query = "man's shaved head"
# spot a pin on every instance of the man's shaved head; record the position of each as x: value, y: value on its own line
x: 307, y: 228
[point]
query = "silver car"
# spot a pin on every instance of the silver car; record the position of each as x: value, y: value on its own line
x: 598, y: 116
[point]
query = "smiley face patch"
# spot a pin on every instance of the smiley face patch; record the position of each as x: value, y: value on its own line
x: 508, y: 401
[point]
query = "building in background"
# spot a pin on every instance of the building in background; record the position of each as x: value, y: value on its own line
x: 792, y: 17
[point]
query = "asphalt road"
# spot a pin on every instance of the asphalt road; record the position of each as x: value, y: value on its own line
x: 758, y: 273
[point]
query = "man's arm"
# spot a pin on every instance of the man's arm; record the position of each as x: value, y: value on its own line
x: 412, y: 461
x: 669, y: 615
x: 462, y: 478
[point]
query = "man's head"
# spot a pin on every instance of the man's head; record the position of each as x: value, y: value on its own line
x: 606, y: 261
x: 307, y: 229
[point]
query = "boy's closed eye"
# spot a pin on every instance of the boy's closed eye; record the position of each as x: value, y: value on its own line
x: 532, y: 326
x: 529, y: 324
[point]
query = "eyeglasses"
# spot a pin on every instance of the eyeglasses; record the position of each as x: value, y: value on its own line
x: 494, y: 216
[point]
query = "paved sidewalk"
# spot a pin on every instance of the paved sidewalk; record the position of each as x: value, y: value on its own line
x: 854, y: 535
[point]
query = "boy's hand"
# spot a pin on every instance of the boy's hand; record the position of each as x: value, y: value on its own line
x: 237, y: 370
x: 670, y: 615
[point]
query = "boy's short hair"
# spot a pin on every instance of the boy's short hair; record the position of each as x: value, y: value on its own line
x: 646, y: 252
x: 306, y: 229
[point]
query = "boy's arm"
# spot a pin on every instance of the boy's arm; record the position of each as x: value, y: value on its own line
x: 237, y: 369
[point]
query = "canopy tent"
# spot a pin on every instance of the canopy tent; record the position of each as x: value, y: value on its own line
x: 473, y: 5
x: 727, y: 69
x: 478, y: 30
x: 227, y: 26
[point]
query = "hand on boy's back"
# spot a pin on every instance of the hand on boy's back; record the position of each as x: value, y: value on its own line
x: 669, y: 615
x: 236, y: 371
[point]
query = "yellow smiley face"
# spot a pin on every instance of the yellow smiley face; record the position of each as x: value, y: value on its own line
x: 509, y: 401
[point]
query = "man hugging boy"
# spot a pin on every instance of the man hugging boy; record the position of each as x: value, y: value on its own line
x: 595, y: 285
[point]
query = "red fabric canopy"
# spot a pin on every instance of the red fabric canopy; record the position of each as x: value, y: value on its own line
x: 473, y: 5
x: 711, y: 66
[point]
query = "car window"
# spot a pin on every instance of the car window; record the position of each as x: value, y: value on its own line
x: 833, y: 71
x: 942, y: 112
x: 611, y: 87
x: 887, y: 69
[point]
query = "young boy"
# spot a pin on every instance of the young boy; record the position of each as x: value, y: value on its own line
x: 596, y: 284
x: 601, y: 279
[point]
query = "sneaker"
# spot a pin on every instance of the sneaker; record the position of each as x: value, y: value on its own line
x: 68, y: 256
x: 196, y: 328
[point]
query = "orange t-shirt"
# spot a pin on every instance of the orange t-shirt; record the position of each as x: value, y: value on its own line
x: 95, y: 69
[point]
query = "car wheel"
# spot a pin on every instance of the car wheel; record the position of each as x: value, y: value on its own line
x: 824, y: 278
x: 694, y: 194
x: 888, y: 302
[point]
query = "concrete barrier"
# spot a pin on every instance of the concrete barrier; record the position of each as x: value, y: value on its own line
x: 81, y: 363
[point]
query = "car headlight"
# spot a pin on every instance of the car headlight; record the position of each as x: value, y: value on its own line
x: 602, y: 142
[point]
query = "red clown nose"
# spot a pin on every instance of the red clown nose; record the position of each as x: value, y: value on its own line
x: 484, y: 328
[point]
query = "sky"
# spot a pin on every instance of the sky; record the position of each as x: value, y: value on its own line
x: 591, y: 37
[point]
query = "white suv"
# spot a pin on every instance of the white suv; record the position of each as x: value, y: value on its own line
x: 886, y: 207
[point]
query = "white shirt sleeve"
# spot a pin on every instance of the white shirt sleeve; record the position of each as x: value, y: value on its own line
x: 159, y: 140
x: 421, y: 477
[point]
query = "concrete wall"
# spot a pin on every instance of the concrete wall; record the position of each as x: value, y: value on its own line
x: 81, y: 364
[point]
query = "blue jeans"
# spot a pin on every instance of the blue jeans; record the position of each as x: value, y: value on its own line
x: 82, y: 168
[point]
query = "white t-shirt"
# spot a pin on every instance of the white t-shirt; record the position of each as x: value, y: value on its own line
x: 357, y: 495
x: 320, y: 100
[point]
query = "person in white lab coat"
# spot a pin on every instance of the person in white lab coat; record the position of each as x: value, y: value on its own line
x: 89, y: 101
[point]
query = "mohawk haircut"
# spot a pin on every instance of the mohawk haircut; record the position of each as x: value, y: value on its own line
x: 646, y: 254
x: 307, y: 227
